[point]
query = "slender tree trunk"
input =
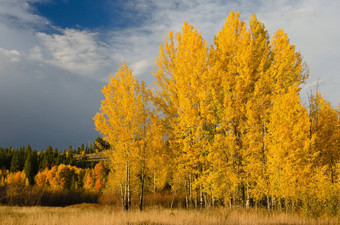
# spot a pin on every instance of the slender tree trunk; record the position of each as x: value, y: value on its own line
x: 142, y: 189
x: 141, y: 198
x: 243, y: 192
x: 268, y: 203
x: 212, y: 199
x: 206, y: 203
x: 279, y: 204
x: 126, y: 205
x: 122, y: 193
x: 264, y: 145
x: 234, y: 200
x: 129, y: 192
x: 173, y: 200
x: 201, y: 197
x: 127, y: 202
x: 247, y: 201
x: 190, y: 190
x: 186, y: 195
x: 154, y: 182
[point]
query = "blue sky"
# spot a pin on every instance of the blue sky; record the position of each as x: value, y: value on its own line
x: 55, y: 56
x: 75, y: 14
x: 88, y: 14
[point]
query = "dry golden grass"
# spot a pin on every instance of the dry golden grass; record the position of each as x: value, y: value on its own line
x: 93, y: 214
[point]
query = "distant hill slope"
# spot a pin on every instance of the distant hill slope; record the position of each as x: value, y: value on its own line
x: 93, y: 157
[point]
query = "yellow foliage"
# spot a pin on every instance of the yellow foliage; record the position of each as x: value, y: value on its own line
x: 289, y: 156
x: 228, y: 124
x: 15, y: 178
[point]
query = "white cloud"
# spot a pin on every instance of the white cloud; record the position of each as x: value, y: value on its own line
x: 76, y: 51
x: 19, y: 13
x: 9, y: 55
x: 142, y: 66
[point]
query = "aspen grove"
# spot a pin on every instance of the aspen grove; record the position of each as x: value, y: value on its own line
x: 224, y: 125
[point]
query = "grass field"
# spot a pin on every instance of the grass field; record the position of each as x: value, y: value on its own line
x: 93, y: 214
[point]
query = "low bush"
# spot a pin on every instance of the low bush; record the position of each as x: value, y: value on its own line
x: 33, y: 195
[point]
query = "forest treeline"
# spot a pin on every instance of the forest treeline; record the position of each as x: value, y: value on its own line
x: 224, y: 125
x: 14, y: 159
x: 51, y: 177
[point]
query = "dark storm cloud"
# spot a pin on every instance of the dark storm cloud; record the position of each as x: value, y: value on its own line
x: 46, y: 106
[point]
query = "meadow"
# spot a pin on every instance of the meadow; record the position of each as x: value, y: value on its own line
x: 106, y: 215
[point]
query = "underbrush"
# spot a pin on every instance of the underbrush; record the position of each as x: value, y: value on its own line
x: 21, y: 195
x: 164, y: 200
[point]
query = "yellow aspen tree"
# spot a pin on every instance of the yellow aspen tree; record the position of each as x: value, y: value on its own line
x: 3, y: 174
x: 89, y: 180
x: 325, y: 136
x: 277, y: 67
x: 121, y: 121
x: 52, y: 177
x: 252, y: 70
x: 159, y: 161
x: 289, y: 156
x: 40, y: 178
x: 83, y: 155
x: 100, y: 175
x: 325, y: 129
x: 287, y: 67
x: 256, y: 113
x: 237, y: 57
x: 182, y: 99
x: 149, y: 141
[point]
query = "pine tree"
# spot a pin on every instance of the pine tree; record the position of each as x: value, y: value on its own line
x: 28, y: 169
x: 34, y: 162
x: 15, y: 163
x: 28, y: 151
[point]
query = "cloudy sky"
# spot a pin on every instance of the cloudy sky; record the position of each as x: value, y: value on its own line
x: 56, y: 55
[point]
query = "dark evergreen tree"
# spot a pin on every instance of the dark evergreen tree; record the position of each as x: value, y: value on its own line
x: 28, y: 150
x: 2, y: 159
x: 55, y: 157
x: 59, y: 160
x: 40, y: 160
x: 15, y: 163
x: 22, y: 158
x: 48, y: 157
x: 45, y: 162
x: 87, y: 148
x: 8, y: 154
x: 34, y: 162
x: 28, y: 169
x: 91, y: 149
